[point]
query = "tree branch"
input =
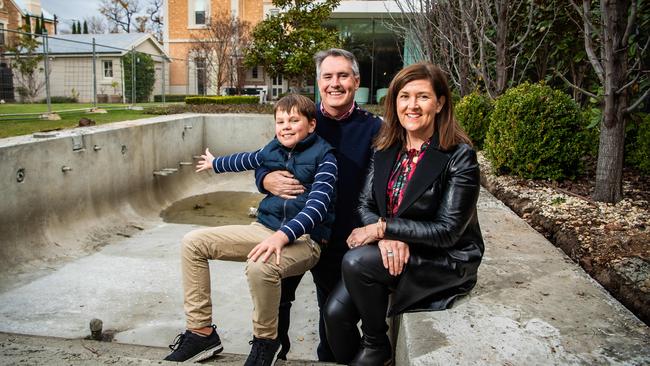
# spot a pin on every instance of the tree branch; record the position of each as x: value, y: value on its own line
x: 593, y: 59
x: 638, y: 102
x: 575, y: 86
x: 631, y: 20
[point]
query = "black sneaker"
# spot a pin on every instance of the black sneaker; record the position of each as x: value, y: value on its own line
x: 194, y: 348
x: 263, y: 352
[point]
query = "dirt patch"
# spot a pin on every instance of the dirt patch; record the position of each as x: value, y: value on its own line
x: 611, y: 242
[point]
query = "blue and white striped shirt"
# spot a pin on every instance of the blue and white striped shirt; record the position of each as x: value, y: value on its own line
x: 318, y: 199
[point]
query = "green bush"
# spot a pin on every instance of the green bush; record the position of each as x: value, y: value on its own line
x: 308, y: 95
x: 228, y: 99
x: 145, y: 76
x: 637, y: 147
x: 473, y: 114
x: 173, y: 97
x: 60, y: 99
x: 536, y: 132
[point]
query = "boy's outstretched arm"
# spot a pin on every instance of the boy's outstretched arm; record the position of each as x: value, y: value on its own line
x: 237, y: 162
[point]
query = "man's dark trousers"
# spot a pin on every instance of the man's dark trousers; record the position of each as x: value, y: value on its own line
x: 326, y: 274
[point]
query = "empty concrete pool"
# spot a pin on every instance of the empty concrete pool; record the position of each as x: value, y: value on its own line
x: 90, y: 227
x: 83, y: 237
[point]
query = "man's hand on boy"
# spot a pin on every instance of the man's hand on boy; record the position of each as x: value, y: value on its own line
x: 206, y: 162
x: 281, y: 183
x: 270, y: 245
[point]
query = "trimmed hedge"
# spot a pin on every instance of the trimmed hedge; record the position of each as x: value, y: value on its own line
x: 173, y: 97
x: 228, y: 99
x: 60, y: 99
x: 308, y: 95
x: 473, y: 113
x: 536, y: 132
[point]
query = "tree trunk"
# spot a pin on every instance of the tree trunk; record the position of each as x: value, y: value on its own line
x: 501, y: 46
x: 609, y: 170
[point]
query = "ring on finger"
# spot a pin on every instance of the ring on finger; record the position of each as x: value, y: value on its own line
x: 390, y: 254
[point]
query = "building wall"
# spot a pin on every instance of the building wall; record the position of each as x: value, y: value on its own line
x: 180, y: 33
x: 73, y: 76
x: 11, y: 17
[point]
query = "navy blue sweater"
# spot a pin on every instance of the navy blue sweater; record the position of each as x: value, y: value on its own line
x: 352, y: 140
x: 313, y: 162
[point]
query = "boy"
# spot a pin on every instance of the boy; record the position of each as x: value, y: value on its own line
x: 275, y: 245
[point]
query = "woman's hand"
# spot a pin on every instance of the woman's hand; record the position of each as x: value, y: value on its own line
x: 270, y: 245
x: 394, y: 254
x: 281, y: 183
x: 206, y: 162
x: 362, y: 236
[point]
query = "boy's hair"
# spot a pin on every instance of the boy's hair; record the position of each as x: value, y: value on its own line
x: 304, y: 106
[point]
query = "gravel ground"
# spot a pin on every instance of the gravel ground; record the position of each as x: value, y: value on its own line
x: 611, y: 242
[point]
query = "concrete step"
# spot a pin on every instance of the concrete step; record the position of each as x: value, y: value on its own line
x: 18, y: 349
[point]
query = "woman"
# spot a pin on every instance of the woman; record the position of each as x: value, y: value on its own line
x: 421, y: 240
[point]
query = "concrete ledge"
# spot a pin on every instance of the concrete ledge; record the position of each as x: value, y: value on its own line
x: 531, y: 306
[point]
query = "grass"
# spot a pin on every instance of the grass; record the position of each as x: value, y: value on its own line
x: 24, y: 125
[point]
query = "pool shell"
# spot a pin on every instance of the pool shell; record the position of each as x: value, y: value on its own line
x: 60, y: 194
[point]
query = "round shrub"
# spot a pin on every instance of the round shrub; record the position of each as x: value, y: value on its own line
x: 536, y: 132
x: 473, y: 114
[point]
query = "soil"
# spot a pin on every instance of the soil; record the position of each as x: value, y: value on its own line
x: 611, y: 242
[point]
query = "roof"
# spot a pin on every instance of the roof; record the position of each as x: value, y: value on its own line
x: 111, y: 43
x: 21, y: 5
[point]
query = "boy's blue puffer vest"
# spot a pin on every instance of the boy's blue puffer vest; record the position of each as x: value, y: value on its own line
x: 302, y: 161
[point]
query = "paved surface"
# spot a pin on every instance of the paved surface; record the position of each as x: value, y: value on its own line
x: 532, y: 305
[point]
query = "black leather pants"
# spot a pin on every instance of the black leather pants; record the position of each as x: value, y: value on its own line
x: 362, y: 295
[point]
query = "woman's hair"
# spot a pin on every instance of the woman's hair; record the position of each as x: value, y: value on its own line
x: 449, y: 131
x: 304, y: 106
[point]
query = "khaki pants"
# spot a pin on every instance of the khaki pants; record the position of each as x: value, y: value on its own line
x: 233, y: 243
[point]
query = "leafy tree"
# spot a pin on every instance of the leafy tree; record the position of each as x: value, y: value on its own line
x: 145, y: 76
x: 85, y: 27
x: 28, y: 73
x: 286, y: 42
x: 37, y: 26
x: 27, y: 28
x: 74, y: 27
x: 42, y: 27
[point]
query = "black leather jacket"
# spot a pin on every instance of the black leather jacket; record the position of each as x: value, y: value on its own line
x: 437, y: 219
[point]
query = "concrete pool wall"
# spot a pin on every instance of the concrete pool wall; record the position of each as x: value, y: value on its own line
x: 531, y: 306
x: 61, y: 194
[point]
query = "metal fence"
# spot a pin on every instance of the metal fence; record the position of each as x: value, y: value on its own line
x: 37, y: 68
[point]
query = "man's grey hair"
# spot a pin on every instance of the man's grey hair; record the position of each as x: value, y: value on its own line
x: 336, y: 52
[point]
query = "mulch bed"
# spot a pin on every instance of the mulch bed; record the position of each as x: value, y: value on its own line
x: 611, y: 242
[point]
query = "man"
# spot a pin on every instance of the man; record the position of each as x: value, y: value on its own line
x: 350, y: 130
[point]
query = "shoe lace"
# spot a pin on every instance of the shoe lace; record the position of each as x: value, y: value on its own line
x: 178, y: 342
x: 259, y: 349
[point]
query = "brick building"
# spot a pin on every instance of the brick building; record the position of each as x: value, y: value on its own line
x: 362, y: 24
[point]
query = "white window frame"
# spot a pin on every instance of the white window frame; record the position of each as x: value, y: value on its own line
x: 104, y: 69
x: 192, y: 6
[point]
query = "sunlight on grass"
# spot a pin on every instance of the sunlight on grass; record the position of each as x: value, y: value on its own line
x: 23, y: 125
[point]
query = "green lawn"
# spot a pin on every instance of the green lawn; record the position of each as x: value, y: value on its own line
x: 24, y: 125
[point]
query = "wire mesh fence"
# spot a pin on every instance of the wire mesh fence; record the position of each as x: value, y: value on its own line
x: 64, y: 73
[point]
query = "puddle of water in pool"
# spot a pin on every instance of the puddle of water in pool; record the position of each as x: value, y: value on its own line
x: 213, y: 209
